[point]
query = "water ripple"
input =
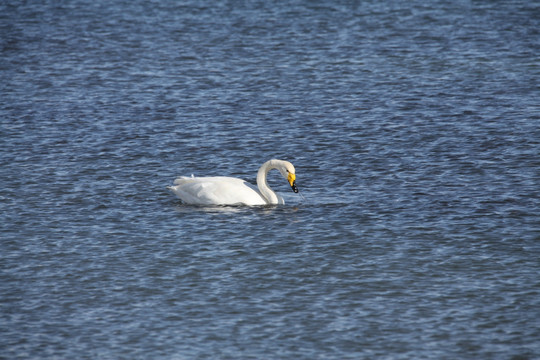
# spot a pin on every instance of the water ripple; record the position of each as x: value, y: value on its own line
x: 414, y: 131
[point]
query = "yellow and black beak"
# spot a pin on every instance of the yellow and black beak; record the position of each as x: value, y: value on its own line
x: 292, y: 181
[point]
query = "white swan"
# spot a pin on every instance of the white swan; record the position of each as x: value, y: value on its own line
x: 221, y: 190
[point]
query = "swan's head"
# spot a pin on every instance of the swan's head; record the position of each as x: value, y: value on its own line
x: 288, y: 172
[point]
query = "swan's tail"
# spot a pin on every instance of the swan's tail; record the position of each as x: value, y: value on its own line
x: 182, y: 179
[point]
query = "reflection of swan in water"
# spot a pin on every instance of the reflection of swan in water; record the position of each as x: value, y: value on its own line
x: 221, y: 190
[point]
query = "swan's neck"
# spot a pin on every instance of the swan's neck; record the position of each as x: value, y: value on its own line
x: 268, y: 194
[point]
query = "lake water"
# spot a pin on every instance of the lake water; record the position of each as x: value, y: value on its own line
x: 414, y: 128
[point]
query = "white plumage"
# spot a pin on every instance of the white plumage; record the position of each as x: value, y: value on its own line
x: 222, y: 190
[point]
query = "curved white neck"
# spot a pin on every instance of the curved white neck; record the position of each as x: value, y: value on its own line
x: 268, y: 194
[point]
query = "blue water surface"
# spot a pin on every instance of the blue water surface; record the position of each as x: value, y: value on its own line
x: 414, y: 128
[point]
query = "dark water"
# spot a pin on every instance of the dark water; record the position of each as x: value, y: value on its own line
x: 414, y: 128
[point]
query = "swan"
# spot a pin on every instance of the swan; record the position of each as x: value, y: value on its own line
x: 222, y: 190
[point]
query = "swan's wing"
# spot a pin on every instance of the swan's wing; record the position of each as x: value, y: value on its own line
x: 216, y: 191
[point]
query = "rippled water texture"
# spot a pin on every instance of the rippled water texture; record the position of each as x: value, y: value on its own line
x: 414, y: 128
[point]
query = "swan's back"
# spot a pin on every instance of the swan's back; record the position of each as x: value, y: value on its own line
x: 218, y: 190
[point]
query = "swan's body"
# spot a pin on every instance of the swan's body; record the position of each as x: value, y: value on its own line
x: 222, y: 190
